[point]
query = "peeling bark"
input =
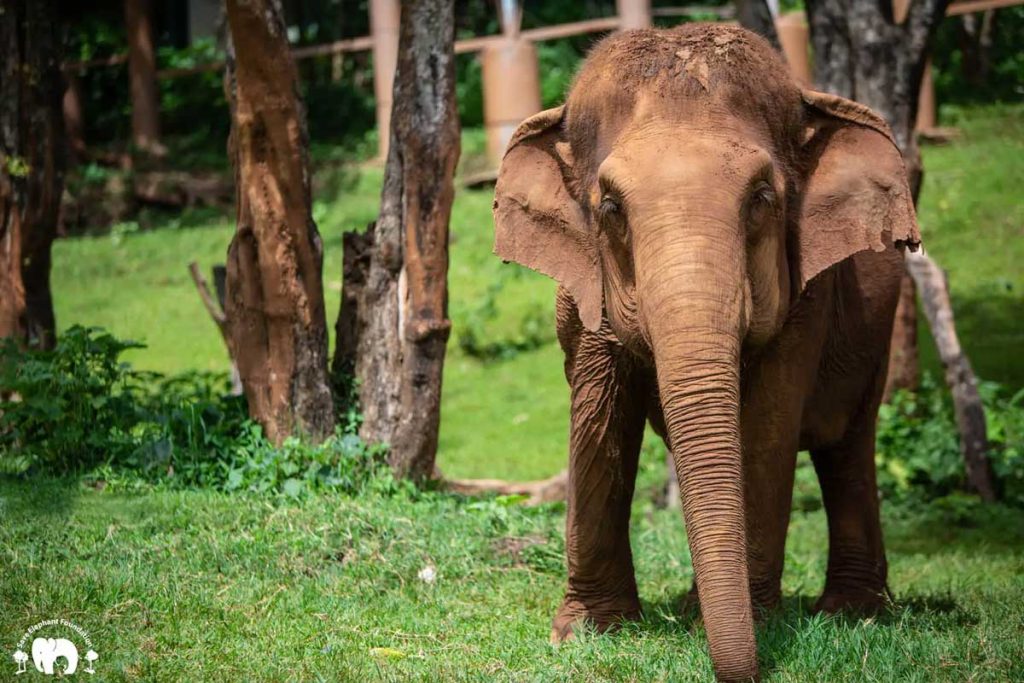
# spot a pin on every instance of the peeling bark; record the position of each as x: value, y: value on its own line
x: 396, y: 336
x: 32, y: 159
x: 274, y: 303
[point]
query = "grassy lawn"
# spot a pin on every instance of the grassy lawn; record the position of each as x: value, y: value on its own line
x: 195, y: 585
x: 201, y: 586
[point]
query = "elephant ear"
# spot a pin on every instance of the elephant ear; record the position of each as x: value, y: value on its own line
x: 538, y: 223
x: 855, y: 194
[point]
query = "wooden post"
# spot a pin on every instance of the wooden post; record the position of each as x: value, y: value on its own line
x: 926, y: 118
x: 633, y: 14
x: 385, y: 18
x: 74, y: 122
x: 511, y: 91
x: 794, y: 38
x: 142, y: 76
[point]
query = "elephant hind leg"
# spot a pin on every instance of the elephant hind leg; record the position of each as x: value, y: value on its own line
x: 605, y: 437
x: 857, y: 569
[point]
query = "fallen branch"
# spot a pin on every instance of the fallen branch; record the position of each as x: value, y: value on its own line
x: 176, y: 189
x: 548, y: 490
x: 963, y: 384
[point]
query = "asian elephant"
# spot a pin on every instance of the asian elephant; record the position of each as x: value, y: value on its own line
x: 729, y: 253
x: 46, y: 651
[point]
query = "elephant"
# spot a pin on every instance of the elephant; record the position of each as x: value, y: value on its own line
x: 46, y: 651
x: 728, y: 249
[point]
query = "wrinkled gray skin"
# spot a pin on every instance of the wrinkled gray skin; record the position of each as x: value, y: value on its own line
x: 728, y: 250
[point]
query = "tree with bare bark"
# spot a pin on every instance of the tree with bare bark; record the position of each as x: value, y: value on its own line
x: 274, y: 300
x: 32, y: 158
x: 393, y: 327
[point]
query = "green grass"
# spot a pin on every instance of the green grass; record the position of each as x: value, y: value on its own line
x: 201, y: 586
x: 972, y: 221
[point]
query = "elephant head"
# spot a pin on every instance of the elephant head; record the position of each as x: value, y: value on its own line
x: 687, y: 192
x: 46, y: 651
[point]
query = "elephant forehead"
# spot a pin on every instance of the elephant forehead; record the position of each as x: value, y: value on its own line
x: 646, y: 160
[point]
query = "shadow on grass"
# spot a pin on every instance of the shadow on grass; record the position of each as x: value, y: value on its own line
x: 38, y: 497
x: 989, y: 530
x: 781, y: 632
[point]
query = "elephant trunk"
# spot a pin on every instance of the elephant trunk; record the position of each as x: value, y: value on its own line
x: 693, y: 302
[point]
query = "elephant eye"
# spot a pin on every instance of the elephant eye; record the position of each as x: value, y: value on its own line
x: 608, y: 206
x: 763, y: 194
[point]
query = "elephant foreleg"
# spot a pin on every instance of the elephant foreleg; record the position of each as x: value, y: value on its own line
x: 605, y: 436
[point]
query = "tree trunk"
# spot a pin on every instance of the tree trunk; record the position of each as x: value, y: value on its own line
x: 975, y: 37
x: 970, y: 414
x: 904, y: 371
x: 396, y: 335
x: 142, y: 76
x: 32, y: 157
x: 876, y: 53
x: 275, y: 303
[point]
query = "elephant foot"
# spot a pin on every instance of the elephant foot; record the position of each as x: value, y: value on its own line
x: 859, y: 602
x: 603, y: 615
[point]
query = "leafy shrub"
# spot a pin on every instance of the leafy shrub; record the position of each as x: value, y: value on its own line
x: 80, y: 409
x: 918, y: 446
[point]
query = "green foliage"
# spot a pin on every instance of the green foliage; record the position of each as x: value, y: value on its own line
x: 960, y: 72
x: 475, y: 339
x: 80, y: 409
x: 341, y: 463
x: 16, y: 167
x: 918, y: 451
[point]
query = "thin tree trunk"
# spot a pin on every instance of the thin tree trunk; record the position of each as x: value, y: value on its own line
x: 275, y: 303
x: 876, y: 53
x: 396, y: 337
x: 904, y: 371
x: 32, y: 158
x: 142, y: 76
x: 970, y: 413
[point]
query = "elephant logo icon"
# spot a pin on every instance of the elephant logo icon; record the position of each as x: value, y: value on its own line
x: 54, y: 655
x: 46, y: 651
